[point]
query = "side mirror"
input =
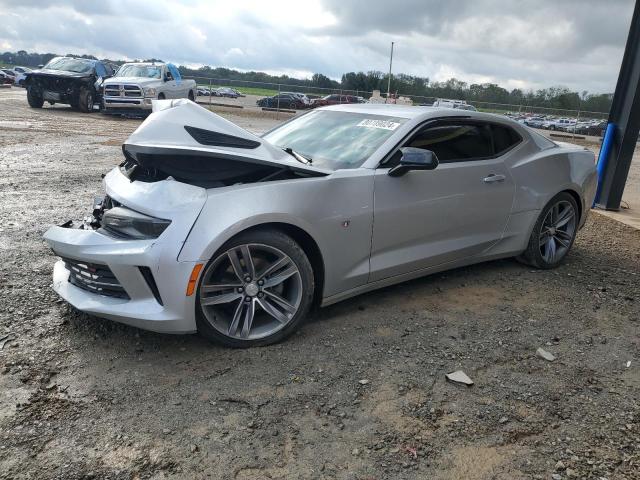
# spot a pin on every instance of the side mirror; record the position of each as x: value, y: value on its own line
x: 414, y: 159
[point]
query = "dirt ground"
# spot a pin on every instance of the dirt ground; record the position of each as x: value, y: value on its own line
x: 359, y: 393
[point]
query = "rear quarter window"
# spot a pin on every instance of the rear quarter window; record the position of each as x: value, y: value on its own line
x: 504, y: 138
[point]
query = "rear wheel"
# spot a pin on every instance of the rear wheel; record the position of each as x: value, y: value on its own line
x: 553, y: 234
x: 34, y: 97
x: 85, y: 100
x: 191, y: 95
x: 257, y: 290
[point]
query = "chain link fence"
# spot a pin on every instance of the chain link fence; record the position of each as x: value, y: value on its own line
x: 221, y: 93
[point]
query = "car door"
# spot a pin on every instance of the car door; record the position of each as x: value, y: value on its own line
x: 171, y: 85
x: 431, y: 217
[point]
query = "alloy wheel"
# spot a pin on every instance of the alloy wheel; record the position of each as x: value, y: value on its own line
x: 251, y: 291
x: 557, y: 231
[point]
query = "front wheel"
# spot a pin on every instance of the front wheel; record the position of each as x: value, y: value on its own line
x: 190, y: 96
x: 257, y: 290
x: 85, y: 100
x: 34, y: 97
x: 553, y: 234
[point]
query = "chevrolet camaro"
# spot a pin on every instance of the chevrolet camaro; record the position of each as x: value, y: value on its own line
x: 205, y: 227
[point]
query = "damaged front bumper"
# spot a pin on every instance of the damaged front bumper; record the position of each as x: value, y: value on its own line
x: 121, y: 280
x: 139, y: 282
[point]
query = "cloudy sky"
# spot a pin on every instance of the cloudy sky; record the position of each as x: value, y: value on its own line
x: 516, y: 43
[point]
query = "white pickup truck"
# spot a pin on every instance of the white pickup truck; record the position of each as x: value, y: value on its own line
x: 135, y: 85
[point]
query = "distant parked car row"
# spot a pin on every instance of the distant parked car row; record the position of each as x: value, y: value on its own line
x: 571, y: 125
x: 299, y: 101
x: 220, y: 92
x: 13, y: 76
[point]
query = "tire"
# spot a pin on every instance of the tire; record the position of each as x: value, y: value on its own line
x: 190, y: 96
x: 34, y: 97
x: 553, y: 233
x: 161, y: 96
x: 85, y: 100
x: 276, y: 297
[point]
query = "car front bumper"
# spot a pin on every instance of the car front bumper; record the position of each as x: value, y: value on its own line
x: 112, y: 104
x: 168, y: 310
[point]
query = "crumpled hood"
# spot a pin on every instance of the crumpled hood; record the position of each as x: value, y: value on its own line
x: 58, y: 73
x: 182, y: 126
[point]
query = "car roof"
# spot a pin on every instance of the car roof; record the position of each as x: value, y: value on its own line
x: 418, y: 113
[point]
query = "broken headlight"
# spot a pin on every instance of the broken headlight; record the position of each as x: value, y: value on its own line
x: 125, y: 223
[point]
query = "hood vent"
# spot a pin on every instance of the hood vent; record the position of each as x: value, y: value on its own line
x: 217, y: 139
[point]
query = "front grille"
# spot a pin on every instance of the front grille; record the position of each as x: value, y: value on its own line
x: 118, y: 90
x: 94, y: 278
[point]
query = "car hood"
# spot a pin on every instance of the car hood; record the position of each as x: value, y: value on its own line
x: 187, y: 141
x: 58, y: 73
x: 135, y: 80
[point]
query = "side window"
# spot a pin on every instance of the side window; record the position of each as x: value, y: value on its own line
x: 455, y: 142
x: 504, y: 138
x: 100, y: 70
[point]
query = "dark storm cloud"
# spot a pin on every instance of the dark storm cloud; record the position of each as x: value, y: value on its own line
x: 515, y: 43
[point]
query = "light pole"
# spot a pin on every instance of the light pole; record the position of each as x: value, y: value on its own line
x: 389, y: 80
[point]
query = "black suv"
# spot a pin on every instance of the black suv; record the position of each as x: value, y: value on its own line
x: 70, y: 80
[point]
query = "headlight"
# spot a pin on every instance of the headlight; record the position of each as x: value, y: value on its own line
x: 126, y: 223
x: 150, y: 92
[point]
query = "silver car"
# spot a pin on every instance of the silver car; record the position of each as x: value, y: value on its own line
x: 206, y: 227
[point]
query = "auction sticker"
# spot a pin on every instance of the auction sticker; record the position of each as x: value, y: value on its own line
x: 384, y: 124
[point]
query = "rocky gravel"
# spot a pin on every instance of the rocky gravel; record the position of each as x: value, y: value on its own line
x: 359, y: 393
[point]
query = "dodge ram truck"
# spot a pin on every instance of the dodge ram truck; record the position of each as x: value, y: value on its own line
x: 135, y: 85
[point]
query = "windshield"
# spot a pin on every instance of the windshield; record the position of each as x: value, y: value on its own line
x: 334, y: 139
x: 140, y: 71
x: 68, y: 64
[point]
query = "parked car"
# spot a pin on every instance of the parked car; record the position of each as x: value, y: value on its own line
x: 534, y: 122
x: 595, y: 128
x: 6, y: 79
x: 202, y: 91
x: 301, y: 96
x: 238, y: 92
x: 136, y: 85
x: 69, y: 80
x: 465, y: 106
x: 282, y: 100
x: 206, y: 227
x: 21, y: 74
x: 333, y: 99
x: 558, y: 124
x: 226, y: 92
x: 449, y: 103
x: 10, y: 73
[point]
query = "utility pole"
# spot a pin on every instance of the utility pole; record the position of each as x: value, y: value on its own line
x: 389, y: 80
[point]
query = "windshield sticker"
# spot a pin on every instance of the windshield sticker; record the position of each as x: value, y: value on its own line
x: 384, y: 124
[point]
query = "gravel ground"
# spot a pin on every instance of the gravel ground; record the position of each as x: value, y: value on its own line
x: 359, y: 393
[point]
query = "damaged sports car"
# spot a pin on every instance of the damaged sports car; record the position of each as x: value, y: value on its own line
x: 69, y: 80
x: 208, y: 228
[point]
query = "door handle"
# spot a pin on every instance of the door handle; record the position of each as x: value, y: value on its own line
x: 494, y: 178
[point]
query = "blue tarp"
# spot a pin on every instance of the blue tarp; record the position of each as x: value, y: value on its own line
x: 175, y: 73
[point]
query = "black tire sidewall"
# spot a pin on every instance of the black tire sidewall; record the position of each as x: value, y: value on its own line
x: 532, y: 255
x: 83, y: 100
x: 286, y: 244
x: 34, y: 99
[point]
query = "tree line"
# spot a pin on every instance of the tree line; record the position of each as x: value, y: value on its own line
x: 557, y: 97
